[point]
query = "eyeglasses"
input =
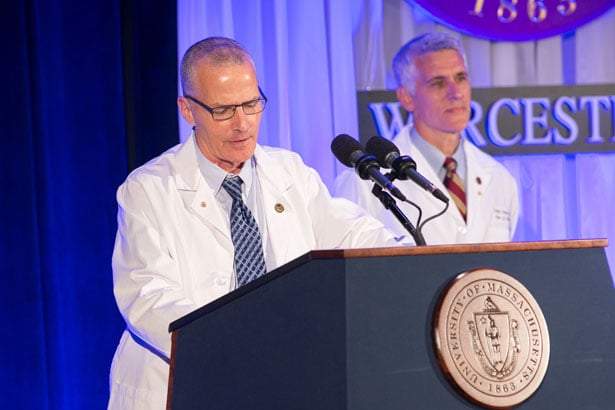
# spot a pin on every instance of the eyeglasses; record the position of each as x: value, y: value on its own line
x: 225, y: 112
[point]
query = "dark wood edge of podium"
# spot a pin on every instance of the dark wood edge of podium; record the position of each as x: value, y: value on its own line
x: 465, y: 248
x: 171, y: 369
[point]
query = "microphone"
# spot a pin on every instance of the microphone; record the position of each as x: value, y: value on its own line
x: 350, y: 153
x: 388, y: 156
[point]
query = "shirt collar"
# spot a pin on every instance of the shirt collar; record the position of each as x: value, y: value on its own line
x: 432, y: 155
x: 214, y: 175
x: 435, y: 158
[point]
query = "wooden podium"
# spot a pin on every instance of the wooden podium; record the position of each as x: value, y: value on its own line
x: 352, y: 329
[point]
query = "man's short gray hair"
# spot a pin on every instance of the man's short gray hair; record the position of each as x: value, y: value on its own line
x: 219, y: 51
x: 403, y: 62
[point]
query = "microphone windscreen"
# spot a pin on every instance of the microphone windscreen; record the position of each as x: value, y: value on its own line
x: 343, y: 146
x: 381, y: 148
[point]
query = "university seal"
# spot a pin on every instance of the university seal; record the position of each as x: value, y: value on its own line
x: 491, y: 338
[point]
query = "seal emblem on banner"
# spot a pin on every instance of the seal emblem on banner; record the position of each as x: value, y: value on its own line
x: 491, y: 338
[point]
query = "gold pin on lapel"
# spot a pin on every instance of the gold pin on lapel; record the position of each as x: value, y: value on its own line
x: 279, y: 208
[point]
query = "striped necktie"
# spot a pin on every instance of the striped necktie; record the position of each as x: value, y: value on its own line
x: 453, y: 183
x: 249, y: 259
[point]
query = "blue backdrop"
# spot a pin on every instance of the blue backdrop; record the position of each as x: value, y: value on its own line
x: 76, y: 110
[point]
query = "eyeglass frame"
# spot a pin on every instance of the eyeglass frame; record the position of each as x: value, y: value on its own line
x: 262, y: 100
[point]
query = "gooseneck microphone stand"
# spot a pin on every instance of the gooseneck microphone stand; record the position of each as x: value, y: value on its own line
x: 389, y: 203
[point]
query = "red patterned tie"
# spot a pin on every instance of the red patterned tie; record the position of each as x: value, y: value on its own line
x: 453, y: 183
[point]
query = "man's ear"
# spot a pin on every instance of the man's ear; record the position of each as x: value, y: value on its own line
x: 185, y: 110
x: 406, y: 100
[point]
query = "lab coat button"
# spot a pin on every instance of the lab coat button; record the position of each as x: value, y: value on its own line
x: 279, y: 208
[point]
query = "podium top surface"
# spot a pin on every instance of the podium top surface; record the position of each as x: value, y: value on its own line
x: 461, y: 248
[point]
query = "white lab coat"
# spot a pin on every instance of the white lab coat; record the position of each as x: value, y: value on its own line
x: 491, y: 195
x: 173, y: 251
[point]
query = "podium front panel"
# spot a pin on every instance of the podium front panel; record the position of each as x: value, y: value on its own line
x: 280, y: 346
x: 356, y: 333
x: 391, y: 361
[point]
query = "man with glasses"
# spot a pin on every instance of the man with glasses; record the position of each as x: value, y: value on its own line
x: 212, y: 214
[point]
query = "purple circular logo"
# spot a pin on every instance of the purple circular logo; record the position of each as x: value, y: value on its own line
x: 514, y: 20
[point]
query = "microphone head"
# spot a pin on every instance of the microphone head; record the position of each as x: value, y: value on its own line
x: 383, y: 149
x: 345, y: 149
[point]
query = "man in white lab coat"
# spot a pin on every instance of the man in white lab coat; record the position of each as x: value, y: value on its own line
x: 174, y: 251
x: 434, y: 85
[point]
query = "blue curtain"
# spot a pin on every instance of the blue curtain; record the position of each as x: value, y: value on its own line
x: 81, y: 91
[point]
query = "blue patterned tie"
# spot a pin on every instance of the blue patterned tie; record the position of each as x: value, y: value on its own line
x: 249, y: 259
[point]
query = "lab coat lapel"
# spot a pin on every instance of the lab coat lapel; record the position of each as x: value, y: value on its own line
x: 479, y: 178
x: 275, y: 185
x: 194, y: 192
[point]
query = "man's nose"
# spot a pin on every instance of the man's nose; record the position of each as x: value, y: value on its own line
x: 240, y: 120
x: 454, y: 90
